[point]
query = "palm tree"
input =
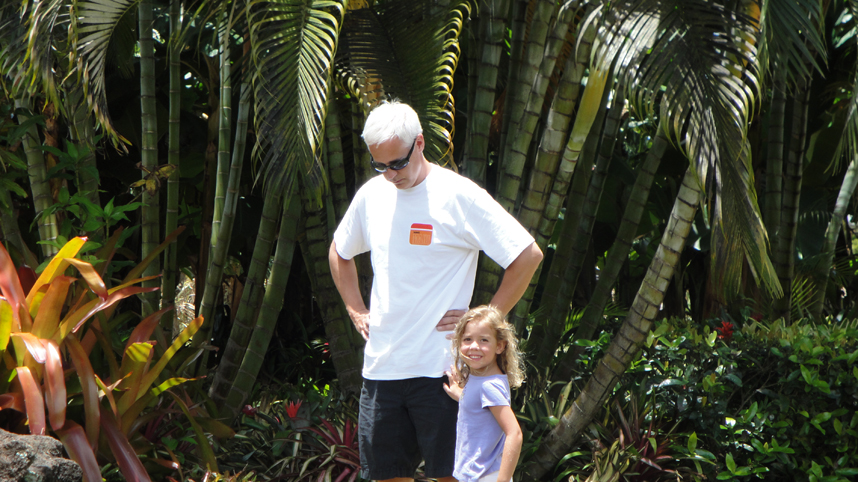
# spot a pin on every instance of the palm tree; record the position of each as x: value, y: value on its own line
x: 702, y: 56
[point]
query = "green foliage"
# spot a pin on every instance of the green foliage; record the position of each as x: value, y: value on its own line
x: 298, y: 433
x: 770, y: 401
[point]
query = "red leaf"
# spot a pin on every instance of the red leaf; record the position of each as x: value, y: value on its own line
x: 88, y: 386
x: 10, y: 288
x: 144, y: 329
x: 27, y: 277
x: 55, y: 386
x: 34, y: 346
x: 126, y: 458
x: 33, y: 401
x: 13, y: 400
x: 74, y: 440
x: 90, y: 275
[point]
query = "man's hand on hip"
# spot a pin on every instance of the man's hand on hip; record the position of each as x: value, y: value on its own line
x: 449, y: 320
x: 361, y: 322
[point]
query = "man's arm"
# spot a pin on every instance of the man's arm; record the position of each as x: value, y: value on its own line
x: 345, y: 277
x: 516, y: 277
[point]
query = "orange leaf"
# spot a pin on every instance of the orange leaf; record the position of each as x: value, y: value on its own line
x: 33, y: 401
x: 126, y: 458
x: 74, y: 440
x: 144, y: 329
x: 57, y: 265
x: 50, y: 307
x: 74, y: 320
x: 10, y: 288
x: 33, y: 344
x: 55, y: 386
x: 108, y: 392
x: 12, y: 400
x: 92, y: 278
x: 88, y: 386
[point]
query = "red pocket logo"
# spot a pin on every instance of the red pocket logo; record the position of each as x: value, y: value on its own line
x: 421, y: 234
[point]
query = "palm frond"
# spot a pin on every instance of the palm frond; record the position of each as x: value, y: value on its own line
x: 103, y: 30
x: 404, y: 50
x: 793, y: 39
x: 695, y: 63
x: 293, y: 44
x: 847, y: 148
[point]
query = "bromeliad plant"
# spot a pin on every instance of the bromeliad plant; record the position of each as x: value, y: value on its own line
x: 50, y: 338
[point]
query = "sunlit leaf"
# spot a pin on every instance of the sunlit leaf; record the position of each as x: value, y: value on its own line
x: 57, y: 265
x: 50, y: 307
x: 55, y: 386
x: 33, y: 401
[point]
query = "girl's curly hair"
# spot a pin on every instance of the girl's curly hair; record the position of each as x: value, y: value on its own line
x: 510, y: 360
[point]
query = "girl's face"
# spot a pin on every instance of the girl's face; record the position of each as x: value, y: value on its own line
x: 480, y: 348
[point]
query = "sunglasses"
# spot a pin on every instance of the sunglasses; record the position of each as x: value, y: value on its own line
x: 395, y: 165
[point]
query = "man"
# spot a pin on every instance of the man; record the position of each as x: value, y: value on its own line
x: 424, y: 227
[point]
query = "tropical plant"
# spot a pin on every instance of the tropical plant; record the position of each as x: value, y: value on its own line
x: 59, y: 314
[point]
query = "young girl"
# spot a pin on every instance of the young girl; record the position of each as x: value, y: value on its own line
x: 488, y: 437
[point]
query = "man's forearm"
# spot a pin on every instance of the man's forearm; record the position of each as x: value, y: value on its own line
x: 516, y: 277
x: 345, y: 277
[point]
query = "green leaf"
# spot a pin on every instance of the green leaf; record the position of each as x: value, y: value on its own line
x: 692, y: 442
x: 731, y: 464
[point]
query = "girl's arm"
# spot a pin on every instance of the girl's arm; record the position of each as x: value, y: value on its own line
x: 512, y: 447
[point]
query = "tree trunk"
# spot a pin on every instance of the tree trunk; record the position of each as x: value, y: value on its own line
x: 168, y: 282
x: 39, y: 186
x: 619, y: 252
x: 251, y: 297
x: 272, y: 303
x: 627, y: 342
x: 150, y: 212
x: 492, y: 32
x: 791, y: 197
x: 220, y: 251
x: 343, y: 340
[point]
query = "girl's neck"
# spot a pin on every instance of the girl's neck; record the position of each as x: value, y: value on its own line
x: 487, y: 371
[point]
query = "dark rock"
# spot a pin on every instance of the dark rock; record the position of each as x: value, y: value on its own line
x: 35, y: 458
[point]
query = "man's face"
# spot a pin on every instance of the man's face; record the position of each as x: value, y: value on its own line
x: 393, y: 150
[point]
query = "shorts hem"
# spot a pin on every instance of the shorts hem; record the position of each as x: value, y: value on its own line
x: 387, y: 473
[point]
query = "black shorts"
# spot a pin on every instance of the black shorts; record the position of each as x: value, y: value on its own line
x: 403, y: 422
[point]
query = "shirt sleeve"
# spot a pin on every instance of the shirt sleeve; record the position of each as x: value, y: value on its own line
x: 494, y: 393
x: 351, y: 235
x: 495, y: 231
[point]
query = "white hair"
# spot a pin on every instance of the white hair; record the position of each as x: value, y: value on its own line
x: 391, y: 119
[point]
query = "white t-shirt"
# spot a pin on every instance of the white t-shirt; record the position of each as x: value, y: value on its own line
x: 424, y: 243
